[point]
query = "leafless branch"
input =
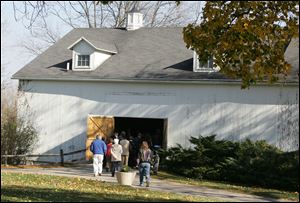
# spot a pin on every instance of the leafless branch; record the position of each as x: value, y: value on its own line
x: 34, y: 16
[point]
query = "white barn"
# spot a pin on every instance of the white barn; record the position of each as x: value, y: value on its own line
x: 146, y: 79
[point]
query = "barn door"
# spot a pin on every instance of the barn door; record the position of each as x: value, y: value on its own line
x: 103, y: 125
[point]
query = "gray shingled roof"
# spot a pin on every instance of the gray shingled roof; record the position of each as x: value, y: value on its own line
x: 143, y: 54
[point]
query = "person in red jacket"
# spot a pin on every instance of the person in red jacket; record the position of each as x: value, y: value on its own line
x: 108, y: 154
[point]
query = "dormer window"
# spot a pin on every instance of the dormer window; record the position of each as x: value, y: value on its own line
x: 87, y: 55
x: 203, y: 67
x: 83, y: 61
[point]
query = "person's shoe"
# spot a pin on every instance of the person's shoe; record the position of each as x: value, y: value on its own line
x: 141, y: 184
x: 147, y: 184
x: 99, y: 174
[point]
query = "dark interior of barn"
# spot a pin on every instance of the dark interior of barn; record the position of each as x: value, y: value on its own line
x: 148, y: 127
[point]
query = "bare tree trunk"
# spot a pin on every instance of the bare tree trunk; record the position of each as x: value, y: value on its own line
x: 85, y: 8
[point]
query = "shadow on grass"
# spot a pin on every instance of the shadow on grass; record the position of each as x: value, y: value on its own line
x: 18, y: 193
x: 222, y: 185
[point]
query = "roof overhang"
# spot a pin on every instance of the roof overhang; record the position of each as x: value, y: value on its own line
x: 170, y: 81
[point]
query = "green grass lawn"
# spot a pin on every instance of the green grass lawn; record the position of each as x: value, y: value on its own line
x: 277, y: 194
x: 29, y: 187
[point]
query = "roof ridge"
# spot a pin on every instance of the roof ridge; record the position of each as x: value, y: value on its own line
x: 123, y: 28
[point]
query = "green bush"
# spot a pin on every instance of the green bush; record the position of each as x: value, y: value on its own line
x: 251, y: 163
x: 18, y: 135
x: 126, y: 169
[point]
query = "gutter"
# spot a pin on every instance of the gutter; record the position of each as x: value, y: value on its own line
x: 203, y: 81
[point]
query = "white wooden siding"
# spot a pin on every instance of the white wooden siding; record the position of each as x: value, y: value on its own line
x: 61, y: 110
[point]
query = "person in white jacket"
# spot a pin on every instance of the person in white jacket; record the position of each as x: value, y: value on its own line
x: 125, y: 147
x: 116, y: 152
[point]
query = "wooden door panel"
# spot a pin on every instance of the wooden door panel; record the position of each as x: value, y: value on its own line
x: 102, y: 125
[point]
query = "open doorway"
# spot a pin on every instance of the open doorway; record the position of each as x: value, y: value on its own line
x: 152, y: 129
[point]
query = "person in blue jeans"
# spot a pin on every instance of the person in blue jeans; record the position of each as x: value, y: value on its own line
x: 143, y: 162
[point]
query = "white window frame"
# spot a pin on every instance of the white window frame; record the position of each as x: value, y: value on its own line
x: 209, y: 66
x: 83, y: 67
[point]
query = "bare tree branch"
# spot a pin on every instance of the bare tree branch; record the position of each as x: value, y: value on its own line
x: 95, y: 14
x: 34, y: 16
x: 198, y: 12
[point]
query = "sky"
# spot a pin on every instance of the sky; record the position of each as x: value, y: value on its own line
x: 13, y: 34
x: 13, y: 55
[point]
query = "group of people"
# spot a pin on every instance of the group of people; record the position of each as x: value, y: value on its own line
x: 116, y: 154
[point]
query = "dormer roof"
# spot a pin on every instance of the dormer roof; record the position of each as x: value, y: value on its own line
x: 96, y: 44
